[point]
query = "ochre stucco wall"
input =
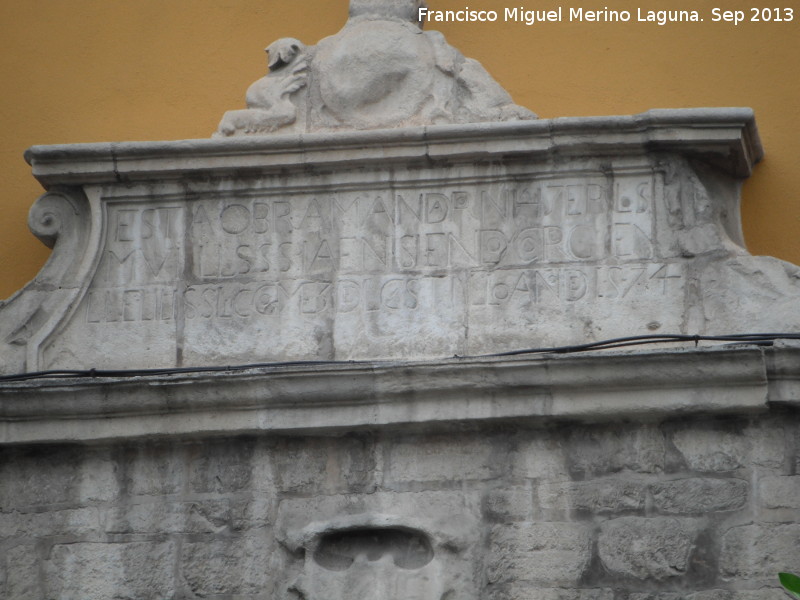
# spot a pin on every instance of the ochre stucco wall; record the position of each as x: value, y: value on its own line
x: 93, y: 70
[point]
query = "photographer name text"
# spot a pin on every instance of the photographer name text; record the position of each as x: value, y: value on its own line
x: 519, y: 14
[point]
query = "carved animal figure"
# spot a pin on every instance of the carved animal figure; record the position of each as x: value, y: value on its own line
x: 269, y: 106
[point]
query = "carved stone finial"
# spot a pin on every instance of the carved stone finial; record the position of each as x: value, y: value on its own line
x: 379, y: 71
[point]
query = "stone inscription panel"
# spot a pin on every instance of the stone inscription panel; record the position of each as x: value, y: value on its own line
x: 394, y: 272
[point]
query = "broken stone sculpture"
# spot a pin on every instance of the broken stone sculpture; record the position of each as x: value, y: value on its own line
x: 425, y: 546
x: 381, y: 70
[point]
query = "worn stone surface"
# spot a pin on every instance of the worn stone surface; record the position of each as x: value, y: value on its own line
x: 759, y: 551
x: 736, y: 595
x: 43, y: 479
x: 620, y: 448
x: 154, y: 470
x: 593, y: 497
x: 22, y: 581
x: 68, y: 521
x: 539, y: 553
x: 414, y: 243
x: 509, y: 504
x: 232, y: 566
x: 734, y: 447
x: 540, y: 457
x: 308, y: 469
x: 780, y: 492
x: 439, y: 460
x: 525, y: 591
x: 646, y: 548
x: 531, y: 516
x: 379, y: 71
x: 127, y: 570
x: 197, y: 516
x: 691, y: 495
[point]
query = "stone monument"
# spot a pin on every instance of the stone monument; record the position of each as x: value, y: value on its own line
x: 296, y: 360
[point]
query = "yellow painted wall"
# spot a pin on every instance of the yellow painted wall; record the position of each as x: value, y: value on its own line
x: 111, y: 70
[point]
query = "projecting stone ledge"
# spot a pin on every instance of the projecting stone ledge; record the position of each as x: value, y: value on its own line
x: 405, y: 244
x: 434, y: 395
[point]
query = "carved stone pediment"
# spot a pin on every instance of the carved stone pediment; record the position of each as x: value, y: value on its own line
x: 413, y: 243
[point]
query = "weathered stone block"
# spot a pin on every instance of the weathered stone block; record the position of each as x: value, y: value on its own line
x: 769, y: 444
x: 765, y: 594
x: 441, y: 459
x: 262, y: 475
x: 255, y: 511
x: 159, y: 516
x: 23, y: 581
x: 646, y: 548
x: 712, y: 448
x: 597, y: 497
x: 699, y: 495
x: 541, y: 553
x: 154, y: 469
x: 202, y: 515
x: 504, y: 505
x: 709, y: 595
x: 151, y: 517
x: 213, y: 515
x: 717, y: 447
x: 230, y: 566
x: 99, y: 480
x: 529, y: 592
x: 600, y: 450
x: 543, y: 455
x: 73, y: 521
x: 316, y: 465
x: 760, y: 551
x: 718, y: 594
x: 221, y: 467
x: 780, y: 492
x: 98, y: 571
x: 39, y: 477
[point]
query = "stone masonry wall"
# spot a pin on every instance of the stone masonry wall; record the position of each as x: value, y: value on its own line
x: 702, y: 509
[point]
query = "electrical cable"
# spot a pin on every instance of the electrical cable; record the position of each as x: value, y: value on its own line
x: 752, y: 339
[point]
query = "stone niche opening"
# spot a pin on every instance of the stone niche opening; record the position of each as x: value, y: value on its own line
x: 407, y: 549
x: 295, y: 360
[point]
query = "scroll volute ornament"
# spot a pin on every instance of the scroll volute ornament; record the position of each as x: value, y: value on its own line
x: 61, y: 219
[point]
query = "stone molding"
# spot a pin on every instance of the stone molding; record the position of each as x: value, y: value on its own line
x: 336, y: 398
x: 725, y: 137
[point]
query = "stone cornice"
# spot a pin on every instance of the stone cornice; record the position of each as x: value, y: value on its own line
x: 725, y: 137
x: 338, y: 397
